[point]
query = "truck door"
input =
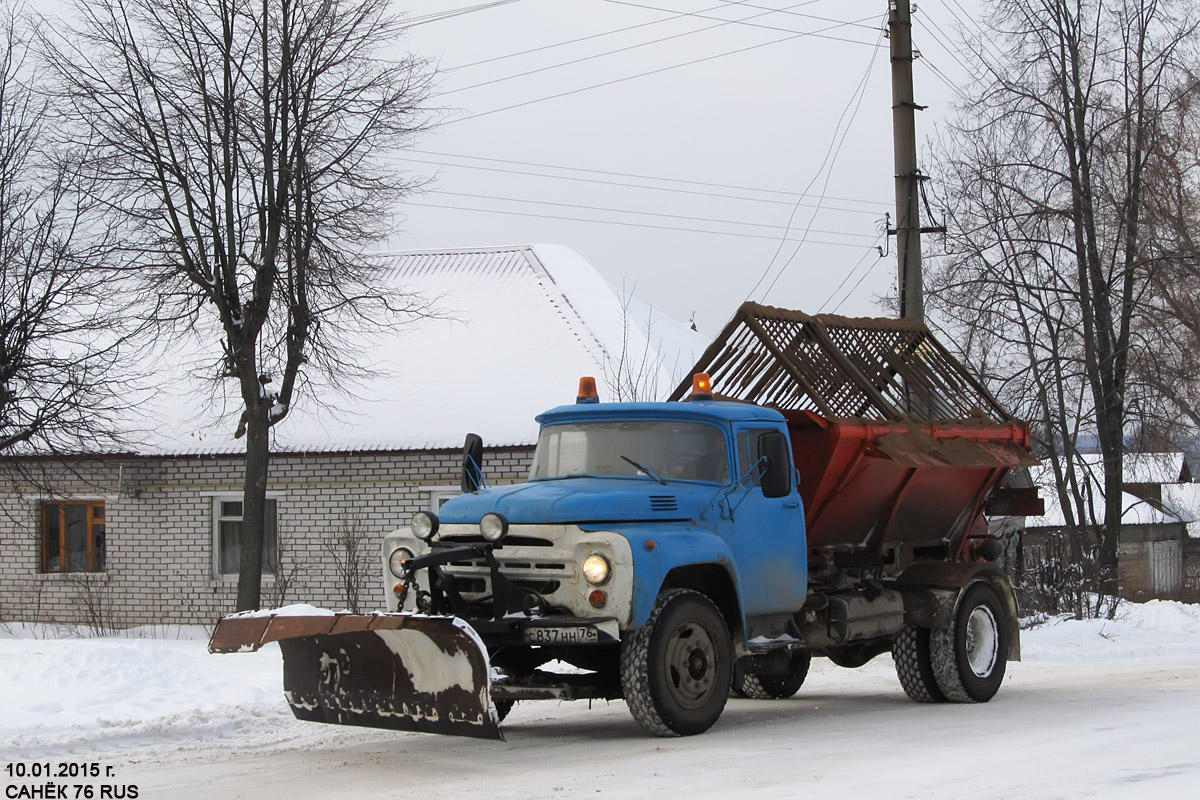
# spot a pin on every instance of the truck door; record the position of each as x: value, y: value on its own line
x: 766, y: 535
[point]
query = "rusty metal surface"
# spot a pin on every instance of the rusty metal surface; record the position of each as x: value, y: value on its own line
x: 234, y: 634
x: 920, y: 448
x: 841, y: 368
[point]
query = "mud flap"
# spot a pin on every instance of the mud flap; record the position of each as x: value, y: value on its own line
x: 398, y: 671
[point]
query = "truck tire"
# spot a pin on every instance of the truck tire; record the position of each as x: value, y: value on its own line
x: 914, y: 665
x: 777, y: 687
x: 676, y: 671
x: 969, y: 658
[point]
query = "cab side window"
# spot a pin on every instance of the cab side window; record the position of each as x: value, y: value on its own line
x: 749, y: 454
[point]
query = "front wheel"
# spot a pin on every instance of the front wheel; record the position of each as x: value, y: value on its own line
x: 969, y: 658
x: 676, y: 671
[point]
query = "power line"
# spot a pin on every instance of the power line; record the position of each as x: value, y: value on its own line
x: 856, y: 101
x: 850, y: 273
x: 657, y: 71
x: 627, y: 48
x: 702, y: 14
x: 941, y: 76
x: 638, y: 213
x: 617, y: 222
x: 456, y: 12
x: 787, y: 11
x: 854, y: 288
x: 984, y: 37
x: 641, y: 176
x: 625, y: 185
x: 944, y: 40
x: 587, y: 38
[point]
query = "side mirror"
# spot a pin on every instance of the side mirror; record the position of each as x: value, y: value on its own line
x: 776, y: 481
x: 472, y: 468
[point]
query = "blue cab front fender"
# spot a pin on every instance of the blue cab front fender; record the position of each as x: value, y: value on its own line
x: 658, y: 548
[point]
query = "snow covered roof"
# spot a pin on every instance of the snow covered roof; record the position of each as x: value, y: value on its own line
x: 1134, y: 511
x: 1144, y: 467
x: 1180, y: 498
x: 1156, y: 468
x: 520, y: 325
x: 1183, y: 500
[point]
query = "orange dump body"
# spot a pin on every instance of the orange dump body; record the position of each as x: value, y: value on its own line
x: 878, y: 484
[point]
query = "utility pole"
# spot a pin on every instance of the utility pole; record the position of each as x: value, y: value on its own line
x: 908, y: 177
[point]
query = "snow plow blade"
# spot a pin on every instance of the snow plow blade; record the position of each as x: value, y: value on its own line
x: 398, y: 671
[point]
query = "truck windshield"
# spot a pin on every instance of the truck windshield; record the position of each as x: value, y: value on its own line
x: 686, y: 451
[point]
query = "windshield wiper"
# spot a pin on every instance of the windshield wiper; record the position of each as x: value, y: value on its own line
x: 645, y: 469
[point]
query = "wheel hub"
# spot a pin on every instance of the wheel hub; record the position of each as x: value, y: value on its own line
x: 691, y: 657
x: 983, y: 641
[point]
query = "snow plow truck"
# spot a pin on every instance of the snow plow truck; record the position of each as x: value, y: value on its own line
x: 820, y: 487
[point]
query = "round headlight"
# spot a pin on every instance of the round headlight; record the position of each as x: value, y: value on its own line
x: 424, y: 525
x: 493, y: 526
x: 397, y: 559
x: 596, y: 569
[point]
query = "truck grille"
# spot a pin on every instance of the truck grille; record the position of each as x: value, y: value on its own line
x: 479, y: 586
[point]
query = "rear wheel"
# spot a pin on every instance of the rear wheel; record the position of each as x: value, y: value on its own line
x: 914, y: 665
x: 676, y: 671
x: 777, y: 687
x: 970, y: 657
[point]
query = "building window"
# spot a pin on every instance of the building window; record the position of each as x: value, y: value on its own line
x: 438, y: 495
x: 73, y: 536
x: 227, y: 536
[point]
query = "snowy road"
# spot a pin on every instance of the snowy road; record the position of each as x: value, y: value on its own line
x: 1097, y: 709
x: 1119, y: 730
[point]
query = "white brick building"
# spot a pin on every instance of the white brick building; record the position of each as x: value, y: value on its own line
x: 148, y: 536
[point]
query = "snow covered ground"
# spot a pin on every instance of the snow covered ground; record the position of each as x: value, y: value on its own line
x: 1098, y: 709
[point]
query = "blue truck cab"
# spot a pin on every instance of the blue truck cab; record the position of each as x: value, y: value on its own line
x: 629, y: 509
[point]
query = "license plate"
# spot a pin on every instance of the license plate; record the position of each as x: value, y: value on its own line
x: 573, y: 634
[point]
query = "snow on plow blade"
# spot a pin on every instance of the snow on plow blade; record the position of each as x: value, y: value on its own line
x: 397, y: 671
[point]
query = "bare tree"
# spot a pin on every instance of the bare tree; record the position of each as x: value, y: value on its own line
x: 353, y: 550
x: 1053, y: 258
x: 59, y: 332
x: 241, y: 143
x: 289, y: 567
x: 1171, y: 364
x: 633, y: 373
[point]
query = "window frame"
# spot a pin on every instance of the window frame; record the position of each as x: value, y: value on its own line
x: 90, y: 521
x: 438, y: 495
x: 215, y: 540
x: 749, y: 435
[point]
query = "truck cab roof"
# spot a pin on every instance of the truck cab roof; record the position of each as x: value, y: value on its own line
x: 706, y: 410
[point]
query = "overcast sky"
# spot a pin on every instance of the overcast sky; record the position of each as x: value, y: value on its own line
x: 669, y: 141
x: 678, y: 184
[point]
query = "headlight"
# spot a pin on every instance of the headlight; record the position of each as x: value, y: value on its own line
x: 397, y: 559
x: 424, y: 525
x: 493, y: 526
x: 596, y: 569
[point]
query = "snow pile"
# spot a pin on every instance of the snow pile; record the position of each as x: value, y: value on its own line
x: 1158, y: 628
x: 294, y: 610
x: 60, y: 693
